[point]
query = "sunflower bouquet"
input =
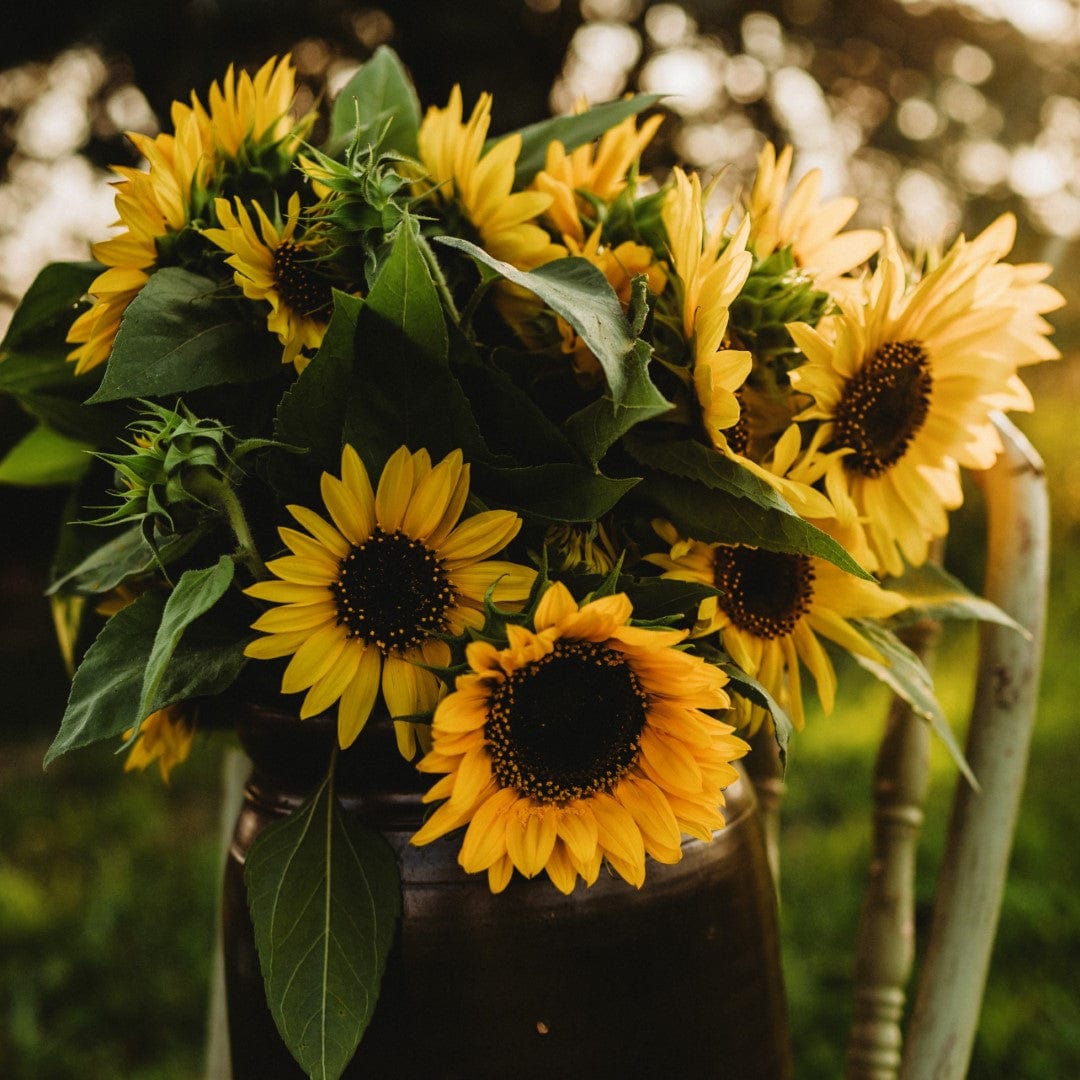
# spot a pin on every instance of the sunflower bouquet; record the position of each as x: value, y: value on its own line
x: 573, y: 475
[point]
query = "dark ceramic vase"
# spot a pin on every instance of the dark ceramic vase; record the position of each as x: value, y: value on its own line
x: 678, y: 979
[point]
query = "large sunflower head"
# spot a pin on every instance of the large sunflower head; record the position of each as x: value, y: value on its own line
x: 771, y: 610
x: 275, y: 264
x: 460, y: 173
x: 905, y: 381
x: 801, y: 222
x: 369, y: 596
x: 584, y: 739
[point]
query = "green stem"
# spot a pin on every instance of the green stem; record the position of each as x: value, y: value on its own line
x: 246, y: 550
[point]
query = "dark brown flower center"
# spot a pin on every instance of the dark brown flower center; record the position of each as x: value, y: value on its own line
x: 567, y: 725
x: 763, y: 592
x: 304, y: 290
x: 883, y: 406
x: 392, y: 591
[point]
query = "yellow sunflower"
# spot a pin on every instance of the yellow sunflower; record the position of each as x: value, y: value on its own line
x: 371, y: 594
x: 599, y: 170
x: 150, y: 205
x: 583, y: 740
x: 812, y: 229
x: 905, y: 382
x: 271, y: 264
x: 245, y: 114
x: 458, y: 170
x: 772, y: 606
x: 165, y: 737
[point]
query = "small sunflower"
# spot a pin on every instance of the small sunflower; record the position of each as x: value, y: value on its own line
x: 904, y: 384
x: 150, y: 205
x: 812, y: 229
x: 710, y: 269
x: 458, y: 170
x: 271, y: 264
x: 372, y: 595
x: 583, y: 740
x: 599, y: 170
x: 165, y: 737
x: 772, y: 606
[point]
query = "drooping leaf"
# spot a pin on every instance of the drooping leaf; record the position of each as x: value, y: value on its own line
x: 748, y: 687
x: 403, y: 390
x: 936, y: 594
x: 907, y: 676
x: 379, y: 92
x: 42, y: 458
x: 48, y: 308
x: 311, y: 413
x: 579, y: 292
x: 559, y: 491
x: 196, y: 593
x: 600, y: 424
x: 324, y: 896
x: 179, y: 334
x: 572, y: 131
x: 124, y: 556
x: 105, y: 692
x: 715, y: 500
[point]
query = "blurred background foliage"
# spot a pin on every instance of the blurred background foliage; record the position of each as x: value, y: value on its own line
x: 937, y: 114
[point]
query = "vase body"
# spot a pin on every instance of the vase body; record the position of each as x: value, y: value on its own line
x: 679, y: 979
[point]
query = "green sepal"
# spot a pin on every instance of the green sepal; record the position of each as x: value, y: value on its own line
x: 908, y: 678
x: 715, y: 500
x: 180, y: 334
x: 379, y: 98
x: 325, y: 896
x: 572, y: 131
x: 42, y: 458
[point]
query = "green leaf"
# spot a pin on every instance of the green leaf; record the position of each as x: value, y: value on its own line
x: 41, y: 457
x: 579, y: 292
x: 179, y: 334
x: 572, y: 132
x: 746, y: 686
x: 907, y: 676
x: 196, y: 592
x: 324, y: 895
x: 935, y: 594
x: 559, y: 491
x: 312, y: 413
x: 715, y: 500
x: 48, y: 307
x: 379, y: 92
x: 403, y: 390
x: 105, y: 693
x: 602, y: 422
x: 126, y: 555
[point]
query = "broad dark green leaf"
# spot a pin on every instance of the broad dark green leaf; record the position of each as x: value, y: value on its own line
x: 125, y: 555
x: 196, y: 593
x: 907, y: 676
x: 325, y: 896
x: 572, y: 131
x: 713, y: 499
x: 105, y: 693
x: 560, y: 491
x: 312, y: 412
x: 579, y: 292
x: 179, y: 334
x: 936, y: 594
x: 600, y: 424
x: 41, y: 458
x: 48, y: 308
x: 403, y: 390
x: 654, y: 598
x: 379, y: 92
